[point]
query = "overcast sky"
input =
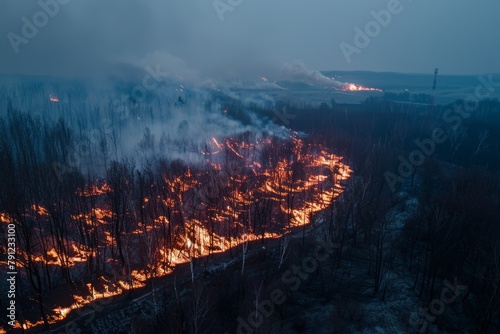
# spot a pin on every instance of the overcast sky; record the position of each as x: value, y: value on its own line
x: 254, y: 38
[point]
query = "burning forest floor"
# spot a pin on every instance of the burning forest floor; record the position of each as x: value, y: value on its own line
x: 173, y: 246
x: 333, y: 297
x: 136, y: 227
x: 332, y: 294
x: 218, y: 277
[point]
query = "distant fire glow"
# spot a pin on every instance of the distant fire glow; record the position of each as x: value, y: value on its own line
x: 354, y: 88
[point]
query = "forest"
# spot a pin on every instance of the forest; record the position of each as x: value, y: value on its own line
x: 125, y: 223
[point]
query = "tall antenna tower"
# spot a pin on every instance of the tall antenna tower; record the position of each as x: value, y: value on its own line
x: 435, y: 79
x: 433, y: 94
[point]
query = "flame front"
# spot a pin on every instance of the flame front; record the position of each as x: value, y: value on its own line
x: 353, y: 88
x: 192, y: 213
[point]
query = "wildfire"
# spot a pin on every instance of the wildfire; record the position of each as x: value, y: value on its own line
x: 5, y: 218
x: 353, y: 88
x: 311, y: 176
x: 95, y: 190
x: 61, y: 312
x: 40, y: 210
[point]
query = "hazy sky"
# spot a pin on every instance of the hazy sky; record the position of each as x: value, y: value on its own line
x: 254, y: 38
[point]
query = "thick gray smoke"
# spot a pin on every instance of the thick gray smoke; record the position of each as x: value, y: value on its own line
x: 173, y: 120
x: 297, y: 72
x: 154, y: 107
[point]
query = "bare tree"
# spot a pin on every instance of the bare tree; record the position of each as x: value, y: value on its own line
x: 482, y: 144
x: 198, y: 310
x: 491, y: 255
x: 283, y: 250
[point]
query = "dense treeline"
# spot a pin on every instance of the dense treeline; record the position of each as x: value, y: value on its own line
x: 451, y: 231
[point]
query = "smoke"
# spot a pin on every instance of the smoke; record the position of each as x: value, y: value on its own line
x: 173, y: 121
x: 187, y: 128
x: 297, y: 72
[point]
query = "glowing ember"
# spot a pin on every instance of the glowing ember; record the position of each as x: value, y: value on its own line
x: 5, y: 218
x: 95, y: 190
